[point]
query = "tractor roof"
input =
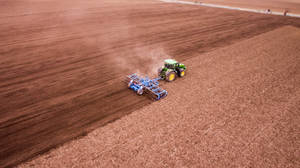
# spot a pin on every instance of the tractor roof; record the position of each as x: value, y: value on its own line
x: 170, y: 61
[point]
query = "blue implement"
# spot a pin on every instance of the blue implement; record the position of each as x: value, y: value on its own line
x: 145, y: 85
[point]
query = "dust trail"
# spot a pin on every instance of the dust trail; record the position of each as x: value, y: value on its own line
x: 144, y: 60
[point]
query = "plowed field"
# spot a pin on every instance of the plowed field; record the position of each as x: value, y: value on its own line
x: 62, y: 62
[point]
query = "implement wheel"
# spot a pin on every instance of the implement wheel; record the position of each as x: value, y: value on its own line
x: 140, y: 91
x: 130, y: 83
x: 170, y: 76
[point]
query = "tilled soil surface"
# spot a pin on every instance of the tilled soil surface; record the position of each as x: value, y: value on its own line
x: 62, y: 62
x: 237, y: 107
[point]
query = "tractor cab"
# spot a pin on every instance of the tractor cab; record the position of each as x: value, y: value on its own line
x: 171, y: 64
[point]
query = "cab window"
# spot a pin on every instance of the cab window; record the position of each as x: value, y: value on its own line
x: 170, y: 66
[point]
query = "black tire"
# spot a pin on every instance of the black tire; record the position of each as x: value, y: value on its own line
x: 181, y: 72
x: 170, y: 76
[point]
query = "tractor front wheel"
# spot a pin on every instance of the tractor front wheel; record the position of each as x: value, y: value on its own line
x: 181, y: 73
x: 170, y: 76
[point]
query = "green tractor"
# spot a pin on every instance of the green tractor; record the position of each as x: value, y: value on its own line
x: 171, y: 70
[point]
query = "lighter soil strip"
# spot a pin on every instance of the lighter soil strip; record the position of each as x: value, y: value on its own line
x: 231, y: 8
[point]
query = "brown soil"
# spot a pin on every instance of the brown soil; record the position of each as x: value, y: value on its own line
x: 62, y: 62
x: 237, y: 107
x: 292, y: 6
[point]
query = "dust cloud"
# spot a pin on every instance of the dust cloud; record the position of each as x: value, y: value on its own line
x: 144, y: 60
x: 136, y: 57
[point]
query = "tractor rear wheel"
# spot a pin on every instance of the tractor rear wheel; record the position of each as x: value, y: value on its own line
x: 170, y: 76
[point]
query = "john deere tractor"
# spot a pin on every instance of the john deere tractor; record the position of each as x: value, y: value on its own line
x: 171, y: 70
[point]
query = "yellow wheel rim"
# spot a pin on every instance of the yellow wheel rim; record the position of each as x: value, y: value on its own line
x: 171, y: 77
x: 182, y: 73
